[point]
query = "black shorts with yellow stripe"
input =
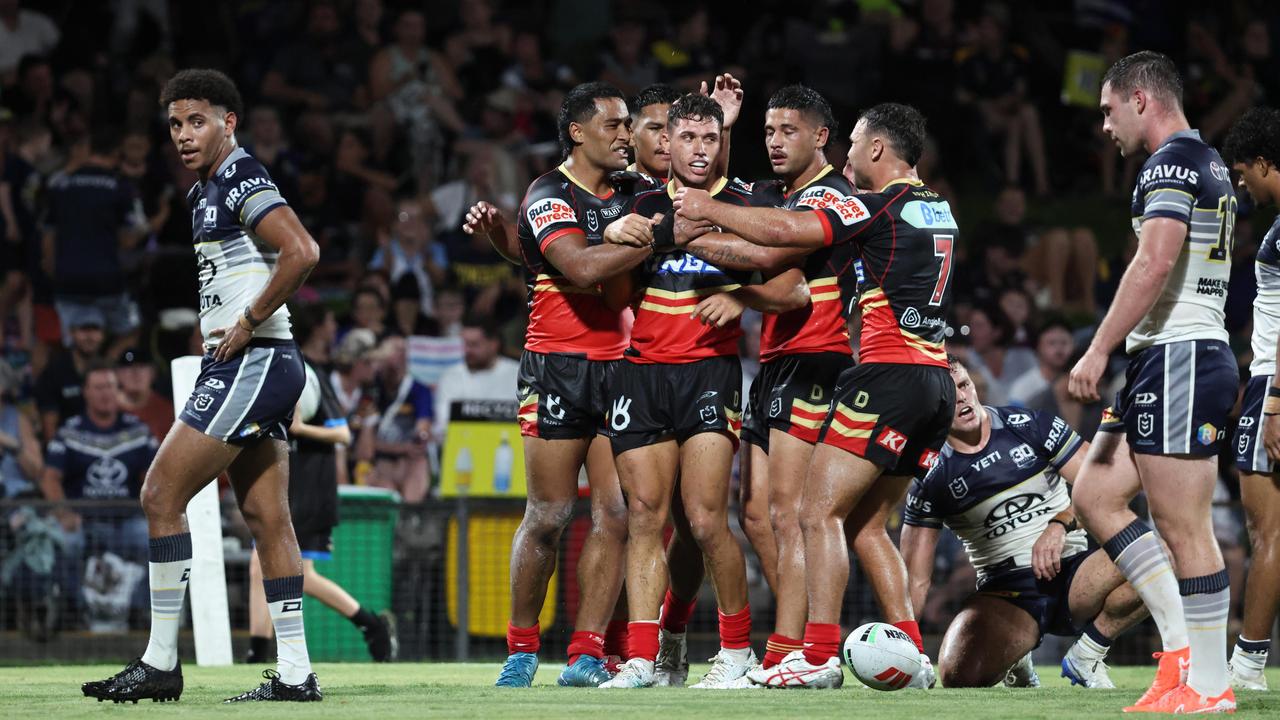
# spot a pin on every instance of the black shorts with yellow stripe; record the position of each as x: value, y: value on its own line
x: 653, y: 402
x: 792, y: 393
x: 562, y: 395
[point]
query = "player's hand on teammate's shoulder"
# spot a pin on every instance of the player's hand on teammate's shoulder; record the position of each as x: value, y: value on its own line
x: 482, y: 219
x: 718, y: 310
x: 728, y: 93
x: 634, y: 230
x: 1082, y: 384
x: 691, y: 203
x: 1046, y: 554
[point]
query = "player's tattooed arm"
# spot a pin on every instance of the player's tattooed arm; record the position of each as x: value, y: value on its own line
x: 487, y: 221
x: 587, y: 266
x: 1161, y: 242
x: 918, y: 547
x: 782, y: 293
x: 299, y: 254
x: 730, y: 252
x: 771, y: 227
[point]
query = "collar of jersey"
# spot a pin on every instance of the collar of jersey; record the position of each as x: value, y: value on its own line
x: 671, y: 188
x: 1191, y: 133
x: 235, y: 155
x: 565, y: 171
x: 895, y: 181
x: 821, y: 174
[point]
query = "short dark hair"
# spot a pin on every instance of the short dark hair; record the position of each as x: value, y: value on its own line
x: 1053, y: 322
x: 366, y: 290
x: 656, y: 94
x: 1255, y: 135
x: 203, y: 84
x: 809, y: 102
x: 1147, y: 70
x: 96, y: 365
x: 955, y: 363
x: 904, y: 127
x: 695, y: 106
x: 484, y: 324
x: 579, y: 106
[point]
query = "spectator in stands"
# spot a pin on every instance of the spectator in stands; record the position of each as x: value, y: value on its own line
x: 993, y: 80
x: 20, y: 456
x: 136, y: 374
x: 23, y: 32
x: 484, y: 374
x: 369, y: 311
x: 990, y: 355
x: 269, y: 146
x: 1020, y: 309
x: 315, y: 72
x: 93, y: 215
x: 406, y: 317
x: 395, y: 437
x: 686, y: 59
x: 58, y: 389
x: 353, y: 372
x: 624, y: 62
x: 531, y: 72
x: 451, y: 307
x: 1054, y: 345
x: 411, y: 251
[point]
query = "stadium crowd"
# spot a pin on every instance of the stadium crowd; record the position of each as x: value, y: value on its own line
x: 382, y: 122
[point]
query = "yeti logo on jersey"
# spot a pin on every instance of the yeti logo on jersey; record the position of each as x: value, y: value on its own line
x: 892, y: 440
x: 851, y: 210
x: 958, y: 487
x: 593, y: 221
x: 203, y: 402
x: 1018, y: 419
x: 1014, y: 511
x: 820, y: 198
x: 1146, y: 424
x: 551, y: 210
x: 553, y: 407
x: 621, y: 416
x: 1023, y: 456
x: 1146, y: 399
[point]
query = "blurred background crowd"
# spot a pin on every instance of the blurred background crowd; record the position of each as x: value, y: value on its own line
x: 382, y: 121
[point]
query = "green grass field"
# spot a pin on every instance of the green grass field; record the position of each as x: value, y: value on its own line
x: 465, y: 691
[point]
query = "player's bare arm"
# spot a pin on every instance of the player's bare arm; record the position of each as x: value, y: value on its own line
x: 771, y: 227
x: 1046, y: 554
x: 1158, y: 249
x: 487, y: 221
x: 587, y: 266
x: 918, y: 547
x: 299, y: 254
x: 783, y: 292
x: 728, y: 251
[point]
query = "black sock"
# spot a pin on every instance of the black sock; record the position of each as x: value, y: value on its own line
x: 363, y: 618
x: 259, y: 648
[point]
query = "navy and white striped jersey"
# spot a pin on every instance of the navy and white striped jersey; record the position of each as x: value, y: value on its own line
x: 1001, y: 498
x: 1185, y: 179
x: 102, y: 463
x: 234, y: 264
x: 1266, y: 307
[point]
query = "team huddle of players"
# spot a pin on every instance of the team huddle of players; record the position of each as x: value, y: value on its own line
x: 637, y: 277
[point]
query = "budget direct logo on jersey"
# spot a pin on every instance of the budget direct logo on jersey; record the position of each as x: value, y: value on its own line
x: 821, y: 198
x: 551, y: 210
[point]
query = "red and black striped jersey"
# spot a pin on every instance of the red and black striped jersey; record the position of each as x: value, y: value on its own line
x: 674, y: 283
x: 564, y: 318
x: 904, y: 236
x: 823, y: 324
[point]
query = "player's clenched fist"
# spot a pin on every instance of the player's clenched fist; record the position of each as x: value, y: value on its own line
x: 1082, y: 384
x: 482, y: 219
x: 691, y: 203
x: 634, y: 230
x: 686, y: 231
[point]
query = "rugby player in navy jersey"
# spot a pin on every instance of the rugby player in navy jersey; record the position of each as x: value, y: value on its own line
x: 676, y: 407
x: 1000, y: 484
x: 1253, y: 149
x: 252, y: 255
x: 875, y: 438
x: 574, y: 342
x: 1181, y: 385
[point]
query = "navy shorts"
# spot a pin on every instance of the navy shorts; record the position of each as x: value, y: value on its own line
x: 248, y: 397
x: 1251, y: 454
x: 1177, y: 398
x: 1046, y: 601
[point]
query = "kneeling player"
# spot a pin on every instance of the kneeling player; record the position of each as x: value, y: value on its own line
x: 998, y: 485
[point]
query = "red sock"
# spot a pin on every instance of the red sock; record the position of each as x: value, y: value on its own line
x: 912, y: 629
x: 585, y: 642
x: 615, y: 638
x: 822, y: 641
x: 676, y: 613
x: 735, y: 629
x: 778, y: 647
x: 642, y: 640
x: 523, y: 639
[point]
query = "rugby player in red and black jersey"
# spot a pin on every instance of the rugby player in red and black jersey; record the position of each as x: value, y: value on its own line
x: 676, y: 406
x: 574, y: 341
x: 876, y: 436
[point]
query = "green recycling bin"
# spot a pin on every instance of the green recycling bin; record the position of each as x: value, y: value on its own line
x: 363, y: 544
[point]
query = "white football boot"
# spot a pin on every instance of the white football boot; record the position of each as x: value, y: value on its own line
x: 727, y: 668
x: 1023, y: 674
x: 796, y: 672
x: 634, y: 673
x: 927, y: 677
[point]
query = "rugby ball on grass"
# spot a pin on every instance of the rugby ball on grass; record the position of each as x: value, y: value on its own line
x: 881, y: 656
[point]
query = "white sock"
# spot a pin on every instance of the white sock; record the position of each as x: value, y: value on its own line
x: 739, y: 655
x: 1250, y: 655
x: 1206, y: 601
x: 284, y: 600
x: 1088, y: 649
x: 1140, y: 557
x: 169, y: 566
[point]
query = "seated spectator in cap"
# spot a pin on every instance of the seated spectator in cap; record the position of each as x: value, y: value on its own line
x: 353, y: 372
x: 20, y: 461
x: 93, y: 215
x: 1054, y: 346
x: 137, y: 376
x: 411, y: 251
x: 100, y: 455
x: 406, y: 317
x: 484, y: 374
x: 58, y: 388
x: 395, y: 436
